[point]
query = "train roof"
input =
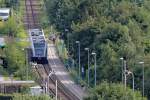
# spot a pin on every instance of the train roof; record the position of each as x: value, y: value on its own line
x: 38, y: 42
x: 4, y: 10
x: 37, y: 35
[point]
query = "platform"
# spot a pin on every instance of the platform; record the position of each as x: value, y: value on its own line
x: 62, y: 73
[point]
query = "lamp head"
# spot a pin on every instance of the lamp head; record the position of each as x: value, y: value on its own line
x: 121, y: 58
x: 93, y: 53
x: 77, y: 41
x: 86, y: 48
x: 141, y: 62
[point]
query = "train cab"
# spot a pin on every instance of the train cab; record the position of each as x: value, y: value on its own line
x: 38, y: 46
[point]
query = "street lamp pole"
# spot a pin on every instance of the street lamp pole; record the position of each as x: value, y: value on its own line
x: 66, y: 30
x: 142, y: 63
x: 125, y: 76
x: 26, y: 62
x: 56, y: 89
x: 78, y: 42
x: 129, y: 72
x: 87, y: 49
x: 122, y: 68
x: 133, y: 81
x: 93, y: 53
x: 49, y: 75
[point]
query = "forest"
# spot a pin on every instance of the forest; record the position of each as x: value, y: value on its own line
x: 111, y: 28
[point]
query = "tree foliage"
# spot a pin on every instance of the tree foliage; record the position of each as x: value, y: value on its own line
x: 8, y: 3
x: 111, y: 28
x: 29, y: 97
x: 16, y: 60
x: 23, y: 97
x: 106, y: 91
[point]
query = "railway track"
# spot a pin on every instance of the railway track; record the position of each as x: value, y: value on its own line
x: 63, y: 92
x: 31, y: 21
x: 32, y: 13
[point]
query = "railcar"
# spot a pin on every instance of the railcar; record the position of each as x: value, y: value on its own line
x: 38, y: 46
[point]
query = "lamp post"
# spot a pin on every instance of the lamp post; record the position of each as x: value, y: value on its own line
x: 78, y: 42
x: 94, y: 54
x: 56, y: 88
x: 122, y: 68
x: 49, y: 75
x: 87, y: 49
x: 34, y: 65
x: 26, y: 62
x: 66, y: 30
x: 142, y: 63
x: 125, y: 70
x: 128, y: 73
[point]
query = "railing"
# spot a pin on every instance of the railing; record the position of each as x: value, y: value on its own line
x: 61, y: 86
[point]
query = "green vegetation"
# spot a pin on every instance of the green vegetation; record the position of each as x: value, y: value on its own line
x: 23, y: 97
x: 15, y: 38
x: 8, y: 3
x: 28, y: 97
x: 111, y: 28
x: 106, y: 91
x: 16, y: 60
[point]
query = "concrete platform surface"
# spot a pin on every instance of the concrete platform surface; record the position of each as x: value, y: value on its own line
x: 62, y: 73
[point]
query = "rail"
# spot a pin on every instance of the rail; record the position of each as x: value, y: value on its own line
x: 41, y: 81
x: 61, y: 86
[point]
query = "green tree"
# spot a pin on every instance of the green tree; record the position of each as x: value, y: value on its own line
x: 29, y: 97
x: 111, y: 28
x: 15, y: 58
x: 112, y: 91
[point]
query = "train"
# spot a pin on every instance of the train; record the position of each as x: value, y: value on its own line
x: 38, y: 46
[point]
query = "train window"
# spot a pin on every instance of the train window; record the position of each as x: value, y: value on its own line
x: 40, y: 33
x: 39, y: 52
x: 32, y: 33
x: 39, y: 45
x: 4, y: 14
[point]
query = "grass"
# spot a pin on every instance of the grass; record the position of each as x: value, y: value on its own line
x: 22, y: 34
x: 6, y: 78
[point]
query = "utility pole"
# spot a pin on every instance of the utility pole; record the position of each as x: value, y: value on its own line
x: 49, y: 75
x: 93, y: 53
x: 143, y: 82
x: 78, y: 42
x: 87, y: 49
x: 128, y: 73
x: 66, y: 30
x: 122, y: 68
x: 26, y: 61
x: 56, y: 89
x: 125, y: 70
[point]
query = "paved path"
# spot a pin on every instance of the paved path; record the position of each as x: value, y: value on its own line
x: 62, y: 73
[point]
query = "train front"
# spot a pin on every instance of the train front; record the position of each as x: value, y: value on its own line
x: 38, y: 46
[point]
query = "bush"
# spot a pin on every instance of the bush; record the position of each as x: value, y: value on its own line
x: 23, y: 97
x: 112, y: 91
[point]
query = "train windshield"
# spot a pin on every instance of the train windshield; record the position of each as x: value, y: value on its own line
x: 4, y: 14
x: 39, y: 49
x: 39, y: 45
